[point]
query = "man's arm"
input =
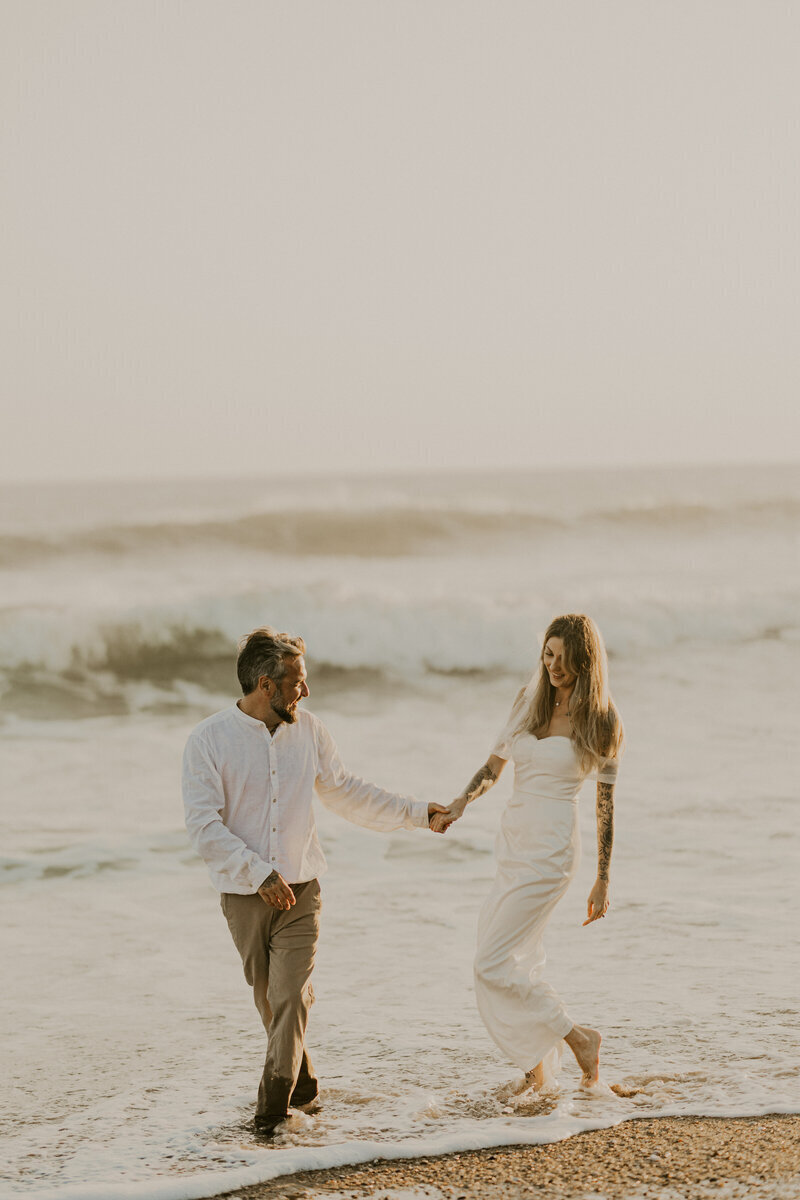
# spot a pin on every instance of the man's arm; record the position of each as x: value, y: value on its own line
x: 204, y: 801
x: 361, y: 802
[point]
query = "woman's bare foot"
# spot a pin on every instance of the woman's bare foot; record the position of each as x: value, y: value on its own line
x: 585, y: 1045
x: 535, y: 1077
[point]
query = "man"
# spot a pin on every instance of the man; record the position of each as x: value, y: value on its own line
x: 248, y: 777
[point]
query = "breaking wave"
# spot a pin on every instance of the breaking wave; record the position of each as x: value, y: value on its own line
x: 388, y: 532
x: 164, y: 655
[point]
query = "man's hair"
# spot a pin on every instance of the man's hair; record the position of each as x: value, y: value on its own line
x: 264, y: 652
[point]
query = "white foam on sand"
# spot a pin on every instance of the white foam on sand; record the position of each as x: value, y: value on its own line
x: 265, y: 1165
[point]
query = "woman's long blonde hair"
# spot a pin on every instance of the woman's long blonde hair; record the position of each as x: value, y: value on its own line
x: 597, y: 729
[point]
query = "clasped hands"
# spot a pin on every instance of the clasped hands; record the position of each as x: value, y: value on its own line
x: 440, y: 819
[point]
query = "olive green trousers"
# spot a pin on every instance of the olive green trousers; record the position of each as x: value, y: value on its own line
x: 277, y: 949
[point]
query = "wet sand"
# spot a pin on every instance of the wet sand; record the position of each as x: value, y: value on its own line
x: 663, y: 1159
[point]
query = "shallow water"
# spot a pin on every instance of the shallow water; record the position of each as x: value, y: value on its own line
x: 134, y: 1051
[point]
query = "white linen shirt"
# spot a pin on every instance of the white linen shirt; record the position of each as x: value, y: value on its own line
x: 247, y: 796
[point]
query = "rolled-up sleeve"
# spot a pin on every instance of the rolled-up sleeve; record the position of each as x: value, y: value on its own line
x: 204, y: 804
x: 362, y: 803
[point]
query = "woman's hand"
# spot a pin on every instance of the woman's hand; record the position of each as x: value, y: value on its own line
x: 597, y: 905
x: 442, y: 821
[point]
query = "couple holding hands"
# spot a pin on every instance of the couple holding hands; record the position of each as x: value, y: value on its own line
x: 249, y: 773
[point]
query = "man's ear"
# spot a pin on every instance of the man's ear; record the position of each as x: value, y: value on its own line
x: 267, y: 685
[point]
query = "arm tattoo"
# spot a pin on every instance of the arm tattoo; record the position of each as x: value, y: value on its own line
x: 271, y: 879
x: 480, y: 783
x: 605, y: 828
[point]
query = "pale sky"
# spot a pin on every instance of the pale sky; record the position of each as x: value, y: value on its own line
x: 242, y: 235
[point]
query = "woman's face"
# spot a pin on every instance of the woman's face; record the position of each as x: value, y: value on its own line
x: 553, y: 659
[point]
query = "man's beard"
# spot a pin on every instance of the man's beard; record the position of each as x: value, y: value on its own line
x: 285, y: 714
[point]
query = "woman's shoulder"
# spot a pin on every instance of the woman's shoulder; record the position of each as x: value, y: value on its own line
x: 612, y: 734
x: 512, y: 727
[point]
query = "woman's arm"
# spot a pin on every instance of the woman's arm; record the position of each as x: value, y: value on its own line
x: 605, y: 828
x: 482, y: 780
x: 480, y: 783
x: 598, y: 897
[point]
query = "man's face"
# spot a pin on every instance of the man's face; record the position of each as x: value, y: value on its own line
x: 291, y: 690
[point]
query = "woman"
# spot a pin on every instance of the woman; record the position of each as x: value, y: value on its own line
x: 563, y: 727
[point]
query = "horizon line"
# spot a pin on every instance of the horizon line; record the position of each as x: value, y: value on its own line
x: 357, y: 473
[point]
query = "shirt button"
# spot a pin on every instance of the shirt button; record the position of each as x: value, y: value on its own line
x: 274, y: 829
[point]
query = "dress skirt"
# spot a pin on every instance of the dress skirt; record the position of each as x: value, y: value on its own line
x: 538, y: 851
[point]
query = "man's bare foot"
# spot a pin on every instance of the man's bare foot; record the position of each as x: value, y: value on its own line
x: 585, y: 1045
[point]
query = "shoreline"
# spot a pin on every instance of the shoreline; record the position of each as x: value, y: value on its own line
x: 649, y: 1157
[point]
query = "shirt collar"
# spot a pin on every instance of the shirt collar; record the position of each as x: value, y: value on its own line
x: 255, y: 723
x: 248, y: 720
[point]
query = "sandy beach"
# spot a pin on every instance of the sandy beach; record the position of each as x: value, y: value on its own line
x: 686, y: 1157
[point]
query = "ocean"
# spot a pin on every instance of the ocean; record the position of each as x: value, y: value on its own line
x: 132, y: 1050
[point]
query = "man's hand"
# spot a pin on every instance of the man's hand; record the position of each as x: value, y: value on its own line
x: 435, y: 818
x: 276, y: 892
x: 597, y: 904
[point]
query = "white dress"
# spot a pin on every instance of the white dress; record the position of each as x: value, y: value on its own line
x: 538, y: 851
